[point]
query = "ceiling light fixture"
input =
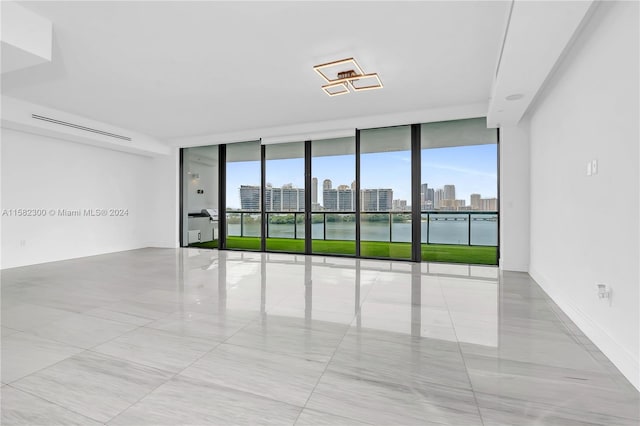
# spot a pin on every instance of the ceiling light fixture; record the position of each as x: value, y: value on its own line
x: 344, y: 76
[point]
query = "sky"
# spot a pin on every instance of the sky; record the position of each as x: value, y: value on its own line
x: 472, y: 169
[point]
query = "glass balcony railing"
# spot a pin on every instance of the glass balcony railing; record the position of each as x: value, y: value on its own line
x: 447, y: 232
x: 285, y: 225
x: 473, y: 228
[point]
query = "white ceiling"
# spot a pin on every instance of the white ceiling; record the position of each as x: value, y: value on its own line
x: 527, y: 61
x: 178, y: 69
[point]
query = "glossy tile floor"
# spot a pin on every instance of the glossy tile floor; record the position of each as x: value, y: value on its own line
x: 167, y: 337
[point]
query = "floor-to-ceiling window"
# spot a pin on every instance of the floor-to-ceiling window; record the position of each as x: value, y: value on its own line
x: 458, y: 191
x: 333, y: 196
x: 385, y: 192
x: 200, y: 197
x: 284, y: 197
x: 243, y: 196
x: 416, y: 192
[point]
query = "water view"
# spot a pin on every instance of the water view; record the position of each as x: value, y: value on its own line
x: 445, y: 229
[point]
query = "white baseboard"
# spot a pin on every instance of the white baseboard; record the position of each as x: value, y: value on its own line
x: 627, y: 362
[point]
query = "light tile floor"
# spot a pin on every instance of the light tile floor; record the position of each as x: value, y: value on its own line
x: 198, y: 337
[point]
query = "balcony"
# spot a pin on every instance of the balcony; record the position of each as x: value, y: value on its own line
x: 455, y: 237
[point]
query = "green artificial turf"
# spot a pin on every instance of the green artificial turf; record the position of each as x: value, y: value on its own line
x: 385, y: 249
x: 333, y: 247
x: 285, y: 244
x: 482, y: 255
x: 243, y: 243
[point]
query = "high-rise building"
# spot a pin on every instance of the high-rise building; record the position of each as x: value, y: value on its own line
x: 475, y: 201
x: 426, y: 197
x: 430, y: 195
x: 399, y: 204
x: 438, y: 196
x: 385, y: 199
x: 286, y: 198
x: 326, y: 184
x: 250, y: 197
x: 330, y: 199
x: 447, y: 204
x: 292, y: 199
x: 369, y: 200
x: 345, y: 199
x: 489, y: 204
x: 449, y: 192
x: 276, y: 200
x: 314, y: 190
x: 341, y: 199
x: 376, y: 200
x: 424, y: 191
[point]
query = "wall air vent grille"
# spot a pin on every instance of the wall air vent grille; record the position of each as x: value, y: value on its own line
x: 79, y: 127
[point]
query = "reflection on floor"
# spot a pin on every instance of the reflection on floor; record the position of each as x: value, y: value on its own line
x: 206, y: 244
x: 188, y: 336
x: 449, y: 253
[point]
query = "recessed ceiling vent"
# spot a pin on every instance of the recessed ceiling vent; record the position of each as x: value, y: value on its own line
x: 79, y: 127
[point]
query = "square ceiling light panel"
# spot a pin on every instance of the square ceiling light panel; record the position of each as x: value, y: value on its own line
x: 334, y: 89
x: 346, y: 76
x: 366, y: 82
x: 331, y: 70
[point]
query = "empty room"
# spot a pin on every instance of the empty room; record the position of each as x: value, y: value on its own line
x: 320, y: 213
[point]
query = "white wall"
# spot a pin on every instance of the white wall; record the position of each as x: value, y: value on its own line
x: 514, y: 198
x: 207, y: 182
x: 584, y: 229
x: 40, y: 172
x: 162, y: 218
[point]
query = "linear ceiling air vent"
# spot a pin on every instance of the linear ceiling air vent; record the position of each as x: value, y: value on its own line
x: 504, y: 39
x: 77, y: 126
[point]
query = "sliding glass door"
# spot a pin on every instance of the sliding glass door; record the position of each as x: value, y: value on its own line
x: 243, y: 196
x: 385, y: 192
x: 333, y: 196
x: 419, y: 192
x: 458, y: 192
x: 200, y: 197
x: 284, y: 197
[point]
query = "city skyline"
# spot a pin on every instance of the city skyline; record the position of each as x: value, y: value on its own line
x: 472, y: 169
x: 341, y: 198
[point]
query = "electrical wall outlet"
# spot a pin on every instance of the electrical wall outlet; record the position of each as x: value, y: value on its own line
x: 604, y: 292
x: 594, y: 167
